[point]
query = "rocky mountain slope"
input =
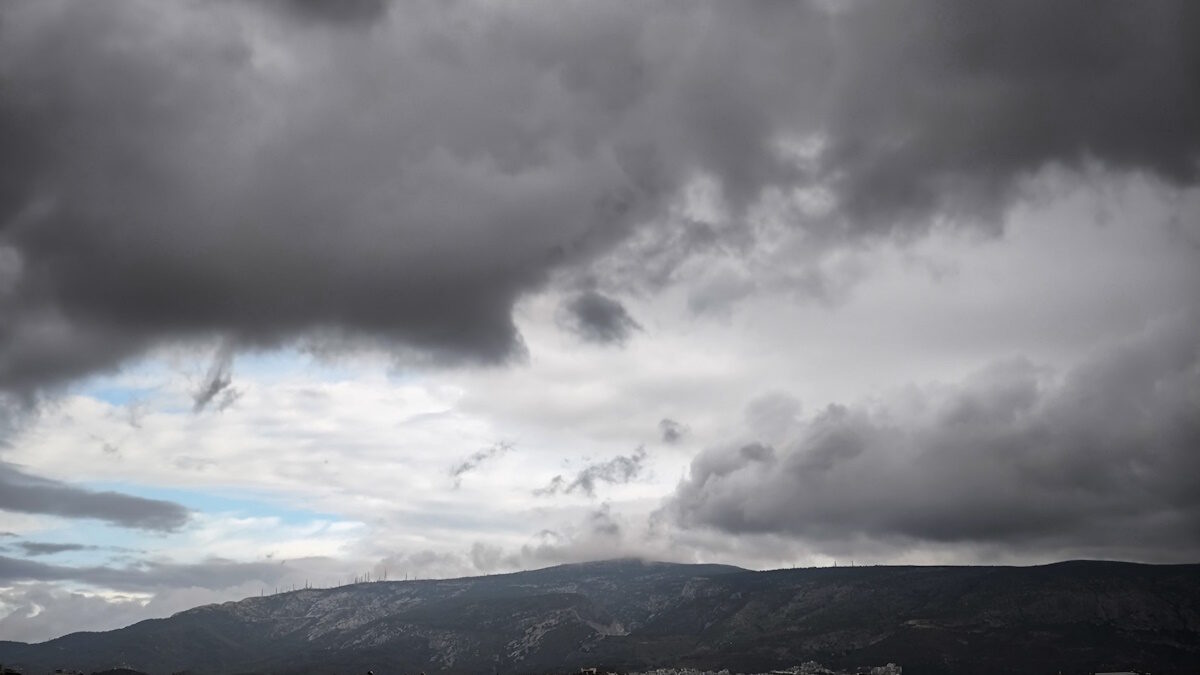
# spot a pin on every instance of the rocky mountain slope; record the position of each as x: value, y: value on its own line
x: 1074, y: 617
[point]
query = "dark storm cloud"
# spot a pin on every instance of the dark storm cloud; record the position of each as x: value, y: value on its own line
x: 213, y: 574
x: 200, y: 169
x: 616, y: 471
x: 944, y: 106
x: 36, y: 548
x: 342, y: 11
x: 24, y: 493
x: 1102, y: 460
x: 405, y: 188
x: 600, y: 319
x: 475, y: 459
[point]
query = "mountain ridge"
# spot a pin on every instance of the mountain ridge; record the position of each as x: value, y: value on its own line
x: 1073, y: 616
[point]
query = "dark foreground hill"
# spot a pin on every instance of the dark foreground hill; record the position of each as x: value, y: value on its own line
x: 1074, y: 617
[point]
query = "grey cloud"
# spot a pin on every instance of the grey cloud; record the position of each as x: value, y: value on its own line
x: 475, y: 459
x: 616, y: 471
x: 407, y: 184
x: 36, y: 548
x: 672, y: 431
x: 598, y: 318
x: 556, y: 485
x: 26, y: 493
x: 1099, y: 462
x: 719, y: 462
x: 218, y: 380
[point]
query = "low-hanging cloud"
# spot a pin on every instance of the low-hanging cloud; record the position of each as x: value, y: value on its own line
x: 406, y: 179
x: 25, y: 493
x: 598, y: 534
x: 1099, y: 462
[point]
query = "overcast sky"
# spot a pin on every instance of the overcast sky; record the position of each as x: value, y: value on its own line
x: 296, y: 291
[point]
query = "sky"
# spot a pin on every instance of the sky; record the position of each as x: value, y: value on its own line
x: 298, y: 293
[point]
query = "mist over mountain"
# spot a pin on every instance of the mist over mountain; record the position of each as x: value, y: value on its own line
x: 1073, y: 617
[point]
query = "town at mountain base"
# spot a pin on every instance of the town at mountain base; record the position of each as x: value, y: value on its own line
x: 628, y: 616
x: 807, y: 668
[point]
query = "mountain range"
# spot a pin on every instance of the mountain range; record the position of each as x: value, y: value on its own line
x: 1071, y: 617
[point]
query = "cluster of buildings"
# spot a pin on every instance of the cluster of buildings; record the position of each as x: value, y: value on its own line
x: 806, y: 668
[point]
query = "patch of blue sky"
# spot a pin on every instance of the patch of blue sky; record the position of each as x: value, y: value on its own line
x: 121, y: 388
x: 137, y: 382
x: 119, y: 396
x: 142, y: 380
x: 236, y: 503
x: 276, y: 364
x: 285, y: 362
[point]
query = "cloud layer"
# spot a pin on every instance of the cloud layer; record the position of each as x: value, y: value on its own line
x: 278, y: 170
x: 1101, y: 461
